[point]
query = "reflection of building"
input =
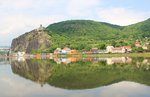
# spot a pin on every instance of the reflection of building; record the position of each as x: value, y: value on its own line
x: 66, y: 60
x: 19, y: 59
x: 20, y: 54
x: 118, y: 60
x: 111, y: 60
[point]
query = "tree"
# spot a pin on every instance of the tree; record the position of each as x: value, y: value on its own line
x: 102, y: 46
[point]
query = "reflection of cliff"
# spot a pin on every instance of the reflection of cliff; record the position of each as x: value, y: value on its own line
x: 36, y: 70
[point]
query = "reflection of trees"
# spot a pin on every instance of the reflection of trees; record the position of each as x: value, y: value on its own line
x: 36, y: 70
x: 4, y: 60
x: 86, y: 75
x: 141, y: 63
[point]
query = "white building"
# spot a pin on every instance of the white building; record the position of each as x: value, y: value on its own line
x: 109, y: 49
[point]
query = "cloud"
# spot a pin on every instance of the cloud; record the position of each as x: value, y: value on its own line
x: 125, y: 89
x: 82, y: 7
x: 27, y: 88
x: 26, y: 4
x: 121, y: 16
x: 15, y: 25
x: 19, y: 16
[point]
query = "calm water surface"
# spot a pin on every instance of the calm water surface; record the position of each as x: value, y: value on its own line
x: 75, y: 77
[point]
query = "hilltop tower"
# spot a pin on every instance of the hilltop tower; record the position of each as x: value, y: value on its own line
x: 41, y: 28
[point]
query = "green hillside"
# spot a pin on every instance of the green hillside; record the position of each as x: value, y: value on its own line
x: 138, y: 30
x: 85, y: 34
x: 86, y: 28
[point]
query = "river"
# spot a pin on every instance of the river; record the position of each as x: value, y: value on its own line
x: 75, y: 77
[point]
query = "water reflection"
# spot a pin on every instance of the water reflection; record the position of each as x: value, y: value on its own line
x: 75, y: 77
x: 4, y: 60
x: 35, y: 70
x: 84, y: 73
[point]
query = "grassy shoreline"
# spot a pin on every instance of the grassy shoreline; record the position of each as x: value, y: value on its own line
x: 110, y: 55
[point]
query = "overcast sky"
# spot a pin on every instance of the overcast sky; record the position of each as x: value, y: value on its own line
x: 20, y: 16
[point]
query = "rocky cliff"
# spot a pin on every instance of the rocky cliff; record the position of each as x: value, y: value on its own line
x: 37, y: 39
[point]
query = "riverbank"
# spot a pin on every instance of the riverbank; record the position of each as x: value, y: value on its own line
x: 119, y: 55
x: 109, y: 55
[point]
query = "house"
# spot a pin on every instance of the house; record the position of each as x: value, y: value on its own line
x: 94, y: 50
x: 97, y: 51
x: 109, y: 49
x: 123, y: 49
x: 74, y: 52
x: 145, y: 46
x: 102, y: 51
x: 89, y: 52
x: 65, y: 50
x: 38, y: 56
x: 118, y: 50
x: 137, y: 44
x: 128, y: 48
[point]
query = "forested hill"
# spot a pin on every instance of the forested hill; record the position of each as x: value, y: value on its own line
x: 85, y: 34
x: 138, y: 30
x: 85, y: 29
x: 100, y: 30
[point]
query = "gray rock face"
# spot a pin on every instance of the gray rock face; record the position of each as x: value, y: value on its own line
x: 34, y: 40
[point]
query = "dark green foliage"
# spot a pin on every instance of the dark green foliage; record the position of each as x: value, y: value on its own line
x: 102, y: 46
x: 87, y: 28
x: 138, y: 50
x: 87, y: 75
